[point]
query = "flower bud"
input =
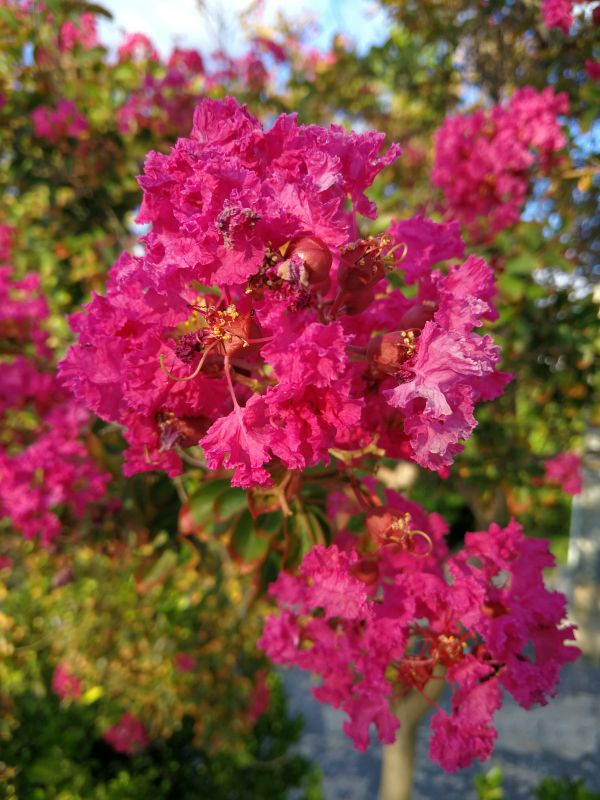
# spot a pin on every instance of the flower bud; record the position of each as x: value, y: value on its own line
x: 366, y: 570
x: 352, y: 302
x: 234, y: 331
x: 379, y: 522
x: 387, y: 353
x: 315, y: 255
x: 417, y: 316
x: 363, y: 263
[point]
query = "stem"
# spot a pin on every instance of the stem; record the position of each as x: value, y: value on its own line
x: 398, y: 759
x: 194, y: 374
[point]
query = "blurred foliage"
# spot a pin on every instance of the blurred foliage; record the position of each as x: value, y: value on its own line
x: 55, y: 752
x: 72, y: 201
x: 489, y: 787
x: 120, y: 619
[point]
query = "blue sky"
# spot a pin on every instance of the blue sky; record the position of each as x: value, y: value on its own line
x: 169, y: 21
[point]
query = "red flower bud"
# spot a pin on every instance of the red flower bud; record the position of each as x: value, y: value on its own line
x: 493, y: 609
x: 387, y: 353
x: 366, y: 571
x: 417, y: 316
x: 379, y: 523
x: 315, y: 255
x: 236, y: 331
x: 352, y: 302
x: 363, y: 263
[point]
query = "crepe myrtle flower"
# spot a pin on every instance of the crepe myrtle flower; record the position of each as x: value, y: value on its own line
x: 262, y: 327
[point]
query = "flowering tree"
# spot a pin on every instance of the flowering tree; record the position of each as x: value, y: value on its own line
x: 270, y: 343
x: 258, y: 327
x: 504, y: 131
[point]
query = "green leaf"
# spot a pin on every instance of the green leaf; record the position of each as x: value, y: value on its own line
x: 202, y: 502
x: 246, y: 542
x: 521, y: 265
x: 159, y: 572
x: 511, y: 287
x: 270, y: 523
x: 230, y: 502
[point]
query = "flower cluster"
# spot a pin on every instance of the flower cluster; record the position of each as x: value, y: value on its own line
x: 128, y: 735
x: 63, y: 121
x: 384, y: 614
x: 164, y: 104
x: 80, y: 32
x: 137, y: 47
x: 483, y: 161
x: 6, y: 237
x: 558, y: 14
x: 44, y: 464
x: 251, y: 70
x: 262, y: 326
x: 64, y: 684
x: 564, y: 470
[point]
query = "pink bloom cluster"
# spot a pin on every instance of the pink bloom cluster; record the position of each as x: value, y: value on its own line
x: 137, y: 47
x: 262, y: 326
x: 250, y: 70
x: 558, y: 14
x: 564, y: 470
x: 6, y: 237
x: 65, y: 684
x: 128, y: 735
x: 483, y: 161
x: 163, y: 104
x: 593, y: 69
x: 261, y: 697
x: 185, y: 662
x: 58, y: 123
x: 82, y: 32
x: 384, y: 614
x: 44, y: 464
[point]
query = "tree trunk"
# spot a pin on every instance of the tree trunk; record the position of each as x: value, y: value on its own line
x: 398, y: 759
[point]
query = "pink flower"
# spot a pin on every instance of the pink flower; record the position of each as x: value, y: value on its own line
x: 164, y: 103
x: 185, y: 662
x: 254, y: 373
x: 593, y: 69
x: 448, y: 375
x: 483, y: 160
x: 558, y: 14
x: 47, y: 467
x: 137, y: 47
x: 83, y: 32
x: 378, y: 618
x: 65, y: 684
x: 275, y: 362
x: 128, y: 735
x: 55, y: 470
x: 6, y: 237
x: 22, y: 308
x: 466, y: 733
x: 59, y: 123
x: 427, y: 244
x: 261, y: 696
x: 564, y: 470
